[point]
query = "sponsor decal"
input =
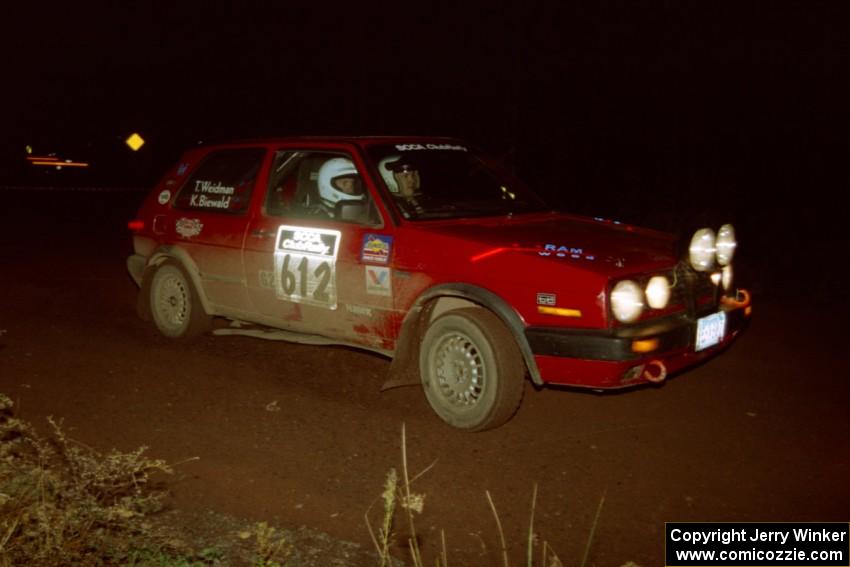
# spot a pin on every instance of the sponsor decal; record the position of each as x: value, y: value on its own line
x: 378, y: 281
x: 211, y: 195
x: 561, y: 251
x: 546, y: 298
x: 188, y: 228
x: 305, y: 265
x: 211, y: 188
x: 164, y: 197
x: 411, y: 147
x: 210, y: 203
x: 312, y: 241
x: 376, y: 248
x: 266, y: 278
x: 359, y: 310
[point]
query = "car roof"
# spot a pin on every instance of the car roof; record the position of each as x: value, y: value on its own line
x: 344, y: 139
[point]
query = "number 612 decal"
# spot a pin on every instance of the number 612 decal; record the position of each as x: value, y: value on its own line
x: 305, y: 265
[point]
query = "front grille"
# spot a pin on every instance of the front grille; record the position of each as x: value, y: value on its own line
x: 693, y: 290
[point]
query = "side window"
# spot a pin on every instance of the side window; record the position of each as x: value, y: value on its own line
x: 318, y: 184
x: 223, y: 182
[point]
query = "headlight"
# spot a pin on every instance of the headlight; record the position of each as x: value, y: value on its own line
x: 726, y: 244
x: 702, y: 250
x: 658, y: 292
x: 726, y: 277
x: 626, y: 301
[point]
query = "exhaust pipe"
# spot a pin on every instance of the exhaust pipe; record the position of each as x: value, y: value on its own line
x: 655, y: 372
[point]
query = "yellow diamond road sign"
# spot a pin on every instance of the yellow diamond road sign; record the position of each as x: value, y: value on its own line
x: 135, y: 142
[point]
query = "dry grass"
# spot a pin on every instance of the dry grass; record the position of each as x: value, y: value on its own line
x: 397, y: 495
x: 62, y: 503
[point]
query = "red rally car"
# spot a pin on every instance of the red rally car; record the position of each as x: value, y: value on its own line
x: 428, y: 252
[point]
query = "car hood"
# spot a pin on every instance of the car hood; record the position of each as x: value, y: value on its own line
x: 598, y: 245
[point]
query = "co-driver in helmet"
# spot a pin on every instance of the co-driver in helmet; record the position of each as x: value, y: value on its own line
x: 405, y: 177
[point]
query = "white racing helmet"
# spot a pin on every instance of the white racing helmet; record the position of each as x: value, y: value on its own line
x: 332, y: 170
x: 387, y: 174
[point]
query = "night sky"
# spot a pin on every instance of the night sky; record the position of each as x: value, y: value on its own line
x: 647, y: 112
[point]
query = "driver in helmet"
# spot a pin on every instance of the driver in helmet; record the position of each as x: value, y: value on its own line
x: 338, y: 181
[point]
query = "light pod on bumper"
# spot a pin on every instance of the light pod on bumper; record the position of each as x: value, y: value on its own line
x: 627, y: 301
x: 726, y: 244
x: 702, y: 250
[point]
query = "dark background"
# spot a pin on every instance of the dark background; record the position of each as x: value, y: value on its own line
x: 662, y: 114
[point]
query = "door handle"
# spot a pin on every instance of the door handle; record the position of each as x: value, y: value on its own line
x: 260, y: 233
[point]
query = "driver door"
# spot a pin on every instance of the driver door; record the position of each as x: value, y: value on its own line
x: 307, y: 271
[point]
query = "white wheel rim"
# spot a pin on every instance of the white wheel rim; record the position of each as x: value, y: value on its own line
x: 459, y: 370
x: 171, y: 301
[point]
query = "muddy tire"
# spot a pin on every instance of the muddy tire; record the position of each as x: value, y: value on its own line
x: 471, y: 369
x: 175, y: 307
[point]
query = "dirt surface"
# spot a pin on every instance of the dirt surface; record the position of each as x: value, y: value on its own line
x: 301, y: 435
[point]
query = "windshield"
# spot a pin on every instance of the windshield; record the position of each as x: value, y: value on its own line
x: 439, y: 181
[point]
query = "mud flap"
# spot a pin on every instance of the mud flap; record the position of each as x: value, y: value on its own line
x: 403, y: 377
x: 402, y: 373
x: 143, y: 308
x: 404, y: 368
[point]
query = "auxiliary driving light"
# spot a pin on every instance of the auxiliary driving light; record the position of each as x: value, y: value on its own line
x: 726, y: 244
x: 702, y: 250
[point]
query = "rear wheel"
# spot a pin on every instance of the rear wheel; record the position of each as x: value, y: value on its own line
x: 471, y: 369
x: 175, y: 307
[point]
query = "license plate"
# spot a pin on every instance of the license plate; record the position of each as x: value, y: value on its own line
x: 710, y: 330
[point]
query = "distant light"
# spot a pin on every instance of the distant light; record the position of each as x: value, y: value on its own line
x: 29, y: 149
x: 135, y: 142
x: 59, y: 164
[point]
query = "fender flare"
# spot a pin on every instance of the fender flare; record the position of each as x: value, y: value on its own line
x: 184, y: 260
x: 404, y: 368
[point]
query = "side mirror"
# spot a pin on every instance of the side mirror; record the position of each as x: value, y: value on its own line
x: 350, y: 211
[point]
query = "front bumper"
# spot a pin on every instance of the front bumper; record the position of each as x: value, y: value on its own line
x: 614, y: 358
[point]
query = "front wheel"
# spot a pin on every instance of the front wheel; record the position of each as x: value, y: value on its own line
x: 471, y: 369
x: 175, y: 307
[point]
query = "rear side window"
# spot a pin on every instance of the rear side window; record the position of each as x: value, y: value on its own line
x: 223, y: 182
